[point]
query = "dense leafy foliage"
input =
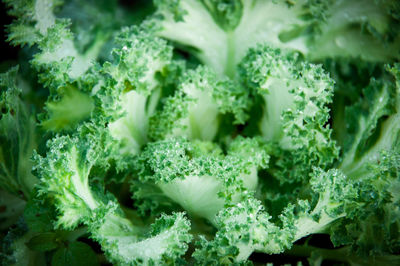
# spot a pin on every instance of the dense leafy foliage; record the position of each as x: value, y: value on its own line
x: 201, y: 132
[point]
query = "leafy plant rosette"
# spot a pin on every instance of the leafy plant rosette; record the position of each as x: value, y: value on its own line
x: 201, y: 132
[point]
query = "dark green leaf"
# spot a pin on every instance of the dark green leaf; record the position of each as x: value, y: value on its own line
x: 43, y: 242
x: 76, y: 253
x: 38, y: 216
